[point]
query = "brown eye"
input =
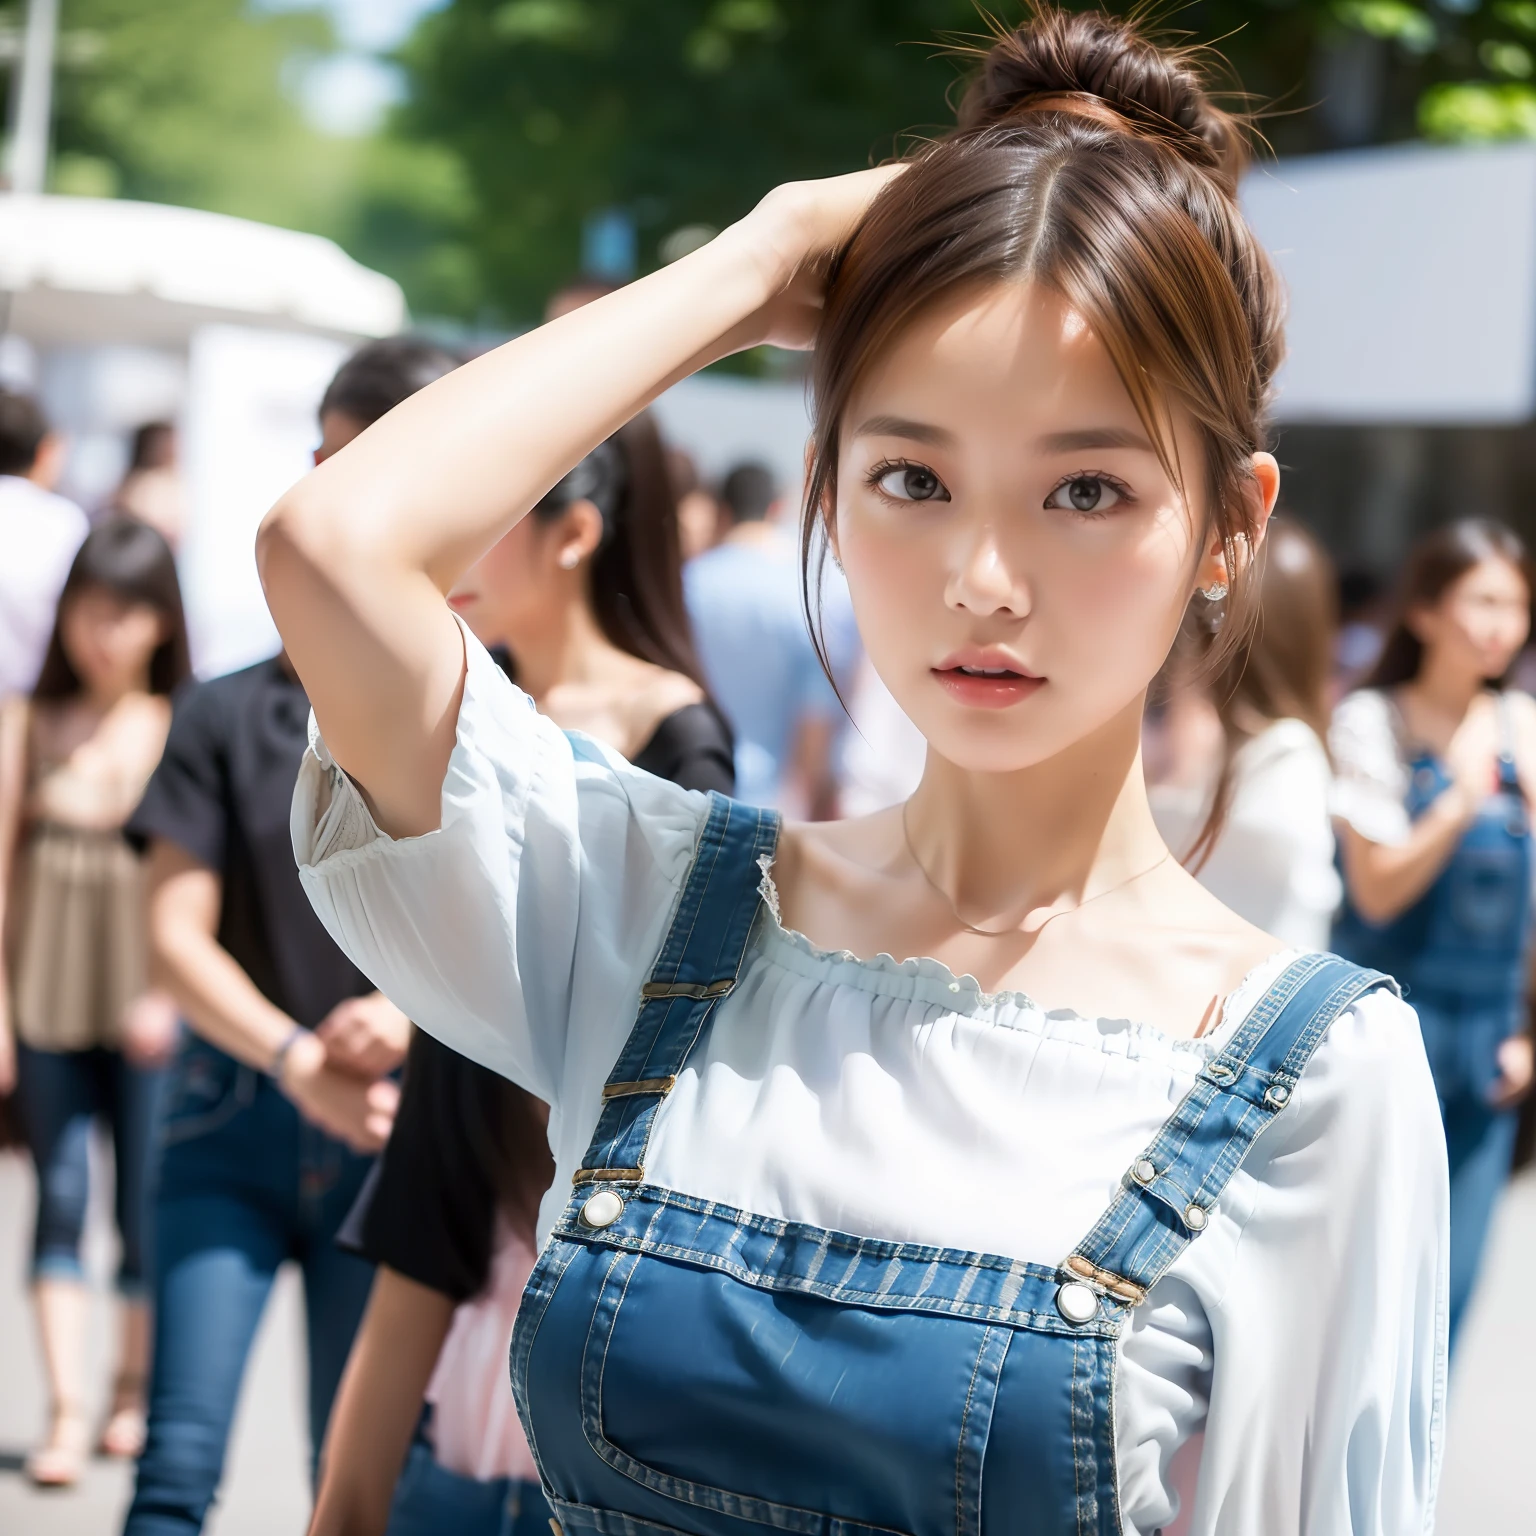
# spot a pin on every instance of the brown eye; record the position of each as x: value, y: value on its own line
x: 911, y: 482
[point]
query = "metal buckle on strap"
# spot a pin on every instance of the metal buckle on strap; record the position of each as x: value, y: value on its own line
x: 656, y: 1085
x: 697, y: 989
x: 1107, y: 1281
x: 608, y: 1176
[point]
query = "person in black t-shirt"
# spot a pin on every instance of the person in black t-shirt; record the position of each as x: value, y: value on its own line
x: 279, y: 1095
x: 586, y: 595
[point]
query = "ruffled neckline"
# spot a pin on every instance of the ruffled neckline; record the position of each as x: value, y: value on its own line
x: 931, y: 980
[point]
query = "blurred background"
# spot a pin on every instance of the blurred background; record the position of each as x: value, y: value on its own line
x: 210, y: 203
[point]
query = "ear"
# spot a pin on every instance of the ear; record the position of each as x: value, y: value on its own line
x: 1419, y: 622
x: 578, y: 533
x: 48, y: 467
x: 1262, y: 491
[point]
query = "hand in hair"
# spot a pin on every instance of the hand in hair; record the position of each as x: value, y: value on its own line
x: 357, y: 558
x: 793, y: 234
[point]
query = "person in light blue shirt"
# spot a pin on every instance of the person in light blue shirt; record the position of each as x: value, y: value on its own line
x: 744, y: 601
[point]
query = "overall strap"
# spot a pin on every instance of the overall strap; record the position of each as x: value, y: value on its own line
x: 1167, y: 1193
x: 1509, y: 773
x: 699, y: 962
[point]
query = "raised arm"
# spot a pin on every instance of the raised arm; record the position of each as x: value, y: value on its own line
x: 357, y: 557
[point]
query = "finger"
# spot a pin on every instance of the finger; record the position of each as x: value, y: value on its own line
x: 383, y: 1096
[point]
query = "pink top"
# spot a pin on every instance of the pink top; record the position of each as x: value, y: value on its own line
x: 475, y: 1428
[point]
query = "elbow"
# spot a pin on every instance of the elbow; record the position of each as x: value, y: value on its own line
x: 1373, y: 901
x: 291, y: 539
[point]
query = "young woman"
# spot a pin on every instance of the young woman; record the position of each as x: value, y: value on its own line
x: 1256, y: 830
x: 90, y: 1035
x: 450, y: 1218
x: 1436, y: 766
x: 983, y: 1237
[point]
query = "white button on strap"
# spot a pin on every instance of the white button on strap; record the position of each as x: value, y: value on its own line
x: 602, y: 1209
x: 1144, y: 1170
x: 1195, y: 1217
x: 1277, y: 1096
x: 1076, y: 1302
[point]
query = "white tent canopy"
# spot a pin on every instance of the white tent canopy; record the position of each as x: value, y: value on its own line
x: 94, y: 271
x: 1412, y: 278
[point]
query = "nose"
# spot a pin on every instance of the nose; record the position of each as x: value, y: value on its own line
x: 982, y: 580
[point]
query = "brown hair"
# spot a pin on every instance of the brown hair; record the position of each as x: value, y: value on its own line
x: 132, y: 561
x: 1089, y: 158
x: 1282, y: 669
x: 1439, y: 560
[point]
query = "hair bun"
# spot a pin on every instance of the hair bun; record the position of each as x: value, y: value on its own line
x: 1159, y: 92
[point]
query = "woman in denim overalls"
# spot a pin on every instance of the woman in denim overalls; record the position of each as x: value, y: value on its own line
x: 964, y: 1167
x: 1436, y: 844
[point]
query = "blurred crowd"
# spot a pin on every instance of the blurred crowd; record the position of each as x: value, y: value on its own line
x: 1358, y: 777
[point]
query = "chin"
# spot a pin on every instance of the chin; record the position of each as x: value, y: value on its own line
x: 1011, y: 740
x: 991, y: 743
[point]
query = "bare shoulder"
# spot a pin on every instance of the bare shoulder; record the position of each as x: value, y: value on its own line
x: 823, y: 866
x: 656, y: 693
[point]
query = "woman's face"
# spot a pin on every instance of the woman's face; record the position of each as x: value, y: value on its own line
x: 1018, y: 558
x: 522, y: 586
x: 1480, y: 622
x: 109, y: 640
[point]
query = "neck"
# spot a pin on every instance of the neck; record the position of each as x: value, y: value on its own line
x: 571, y: 648
x: 103, y: 700
x: 1065, y: 828
x: 1446, y: 688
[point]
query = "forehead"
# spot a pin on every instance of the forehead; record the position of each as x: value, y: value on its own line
x: 993, y: 357
x: 1494, y: 577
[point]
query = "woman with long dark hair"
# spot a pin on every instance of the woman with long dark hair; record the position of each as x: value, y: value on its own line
x: 586, y: 596
x: 91, y: 1036
x: 1436, y: 762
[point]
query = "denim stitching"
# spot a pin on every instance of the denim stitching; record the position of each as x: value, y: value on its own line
x: 539, y: 1292
x: 1073, y: 1411
x: 965, y: 1419
x: 1044, y: 1318
x: 1203, y: 1117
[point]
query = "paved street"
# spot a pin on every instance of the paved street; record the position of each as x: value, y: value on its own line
x: 1492, y: 1418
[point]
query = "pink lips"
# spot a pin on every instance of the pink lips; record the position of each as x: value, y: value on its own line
x: 986, y: 678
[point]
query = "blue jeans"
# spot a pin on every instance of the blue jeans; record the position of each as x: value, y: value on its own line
x: 245, y: 1184
x: 429, y: 1500
x: 1462, y: 1039
x: 60, y: 1093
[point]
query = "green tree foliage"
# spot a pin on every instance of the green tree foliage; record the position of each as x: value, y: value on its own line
x: 183, y: 101
x: 682, y: 112
x: 196, y: 102
x: 525, y: 116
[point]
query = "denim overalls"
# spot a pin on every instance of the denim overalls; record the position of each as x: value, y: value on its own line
x: 1460, y: 953
x: 683, y: 1366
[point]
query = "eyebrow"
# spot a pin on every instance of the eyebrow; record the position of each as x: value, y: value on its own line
x: 900, y: 426
x: 1094, y: 437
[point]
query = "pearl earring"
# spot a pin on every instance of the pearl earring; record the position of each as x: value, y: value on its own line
x: 569, y: 560
x: 1215, y: 592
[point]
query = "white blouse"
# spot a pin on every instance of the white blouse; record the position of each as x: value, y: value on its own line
x: 1272, y: 862
x: 1371, y: 763
x: 1303, y: 1333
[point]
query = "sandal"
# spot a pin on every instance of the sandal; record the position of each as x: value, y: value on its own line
x: 123, y: 1435
x: 59, y: 1462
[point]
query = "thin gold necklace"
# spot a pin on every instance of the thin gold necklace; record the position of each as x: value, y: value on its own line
x: 1014, y: 928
